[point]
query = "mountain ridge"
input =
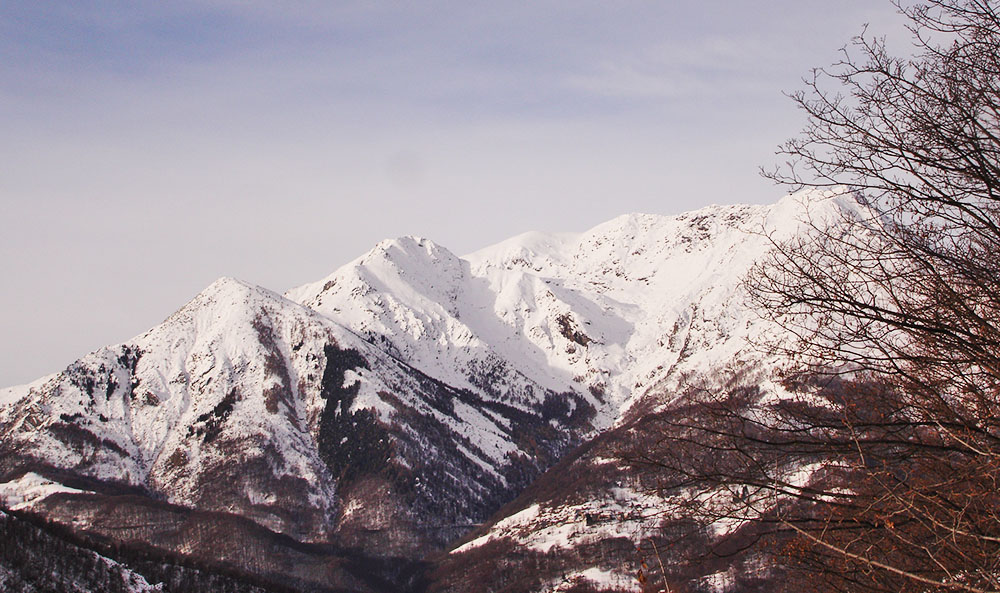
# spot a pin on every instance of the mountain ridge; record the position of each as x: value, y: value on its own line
x: 400, y: 401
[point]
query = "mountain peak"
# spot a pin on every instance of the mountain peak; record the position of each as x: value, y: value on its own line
x: 812, y: 206
x: 407, y: 251
x: 224, y: 299
x: 228, y: 286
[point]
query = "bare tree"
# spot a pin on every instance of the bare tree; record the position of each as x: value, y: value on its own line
x: 902, y: 293
x: 883, y: 472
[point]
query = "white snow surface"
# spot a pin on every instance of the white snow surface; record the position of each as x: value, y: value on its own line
x: 29, y: 489
x: 624, y: 513
x: 138, y: 405
x: 621, y: 580
x: 651, y: 297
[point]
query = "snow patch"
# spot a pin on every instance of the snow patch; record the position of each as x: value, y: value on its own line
x: 519, y: 519
x: 627, y: 514
x: 29, y: 489
x: 598, y: 577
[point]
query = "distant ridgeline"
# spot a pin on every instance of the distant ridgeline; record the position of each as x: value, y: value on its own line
x: 414, y: 421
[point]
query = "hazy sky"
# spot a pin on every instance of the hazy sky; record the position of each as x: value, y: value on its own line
x: 148, y: 148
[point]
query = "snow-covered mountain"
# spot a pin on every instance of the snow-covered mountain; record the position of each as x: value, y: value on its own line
x: 397, y: 403
x: 610, y: 313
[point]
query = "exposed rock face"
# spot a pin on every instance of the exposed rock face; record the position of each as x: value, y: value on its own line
x: 390, y: 408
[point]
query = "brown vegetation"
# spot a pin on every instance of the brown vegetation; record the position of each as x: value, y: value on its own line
x: 895, y: 313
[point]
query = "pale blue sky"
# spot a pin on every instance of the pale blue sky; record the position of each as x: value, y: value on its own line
x: 150, y: 147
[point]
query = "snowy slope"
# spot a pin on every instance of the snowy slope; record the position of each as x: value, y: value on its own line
x: 163, y: 411
x: 611, y: 313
